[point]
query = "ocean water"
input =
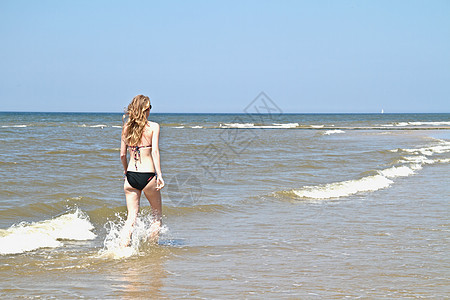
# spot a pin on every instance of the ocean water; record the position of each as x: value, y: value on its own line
x: 256, y: 205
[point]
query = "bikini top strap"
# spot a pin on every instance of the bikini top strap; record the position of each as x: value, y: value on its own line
x: 137, y: 153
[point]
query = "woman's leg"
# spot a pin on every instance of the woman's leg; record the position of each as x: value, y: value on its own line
x: 154, y: 198
x: 132, y: 196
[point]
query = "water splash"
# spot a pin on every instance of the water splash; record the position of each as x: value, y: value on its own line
x: 144, y: 228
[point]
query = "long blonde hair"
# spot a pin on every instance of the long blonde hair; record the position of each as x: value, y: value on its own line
x: 137, y: 120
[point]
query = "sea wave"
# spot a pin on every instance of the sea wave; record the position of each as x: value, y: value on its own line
x: 344, y: 188
x: 406, y: 124
x: 419, y: 159
x: 24, y: 236
x: 60, y: 125
x: 257, y: 126
x: 330, y: 132
x: 237, y: 125
x: 442, y: 147
x: 94, y: 126
x: 244, y: 125
x: 401, y: 171
x: 286, y: 125
x: 405, y: 166
x: 14, y: 126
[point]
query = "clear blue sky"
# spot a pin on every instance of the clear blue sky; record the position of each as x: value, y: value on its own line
x: 216, y: 56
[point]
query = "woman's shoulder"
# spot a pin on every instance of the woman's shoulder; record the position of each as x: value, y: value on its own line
x: 153, y: 125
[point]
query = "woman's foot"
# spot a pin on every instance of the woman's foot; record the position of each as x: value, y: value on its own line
x: 125, y: 243
x: 154, y: 230
x: 125, y: 238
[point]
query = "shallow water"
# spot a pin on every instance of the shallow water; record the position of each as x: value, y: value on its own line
x: 286, y: 206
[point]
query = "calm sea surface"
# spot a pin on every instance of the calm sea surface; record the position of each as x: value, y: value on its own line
x: 256, y: 206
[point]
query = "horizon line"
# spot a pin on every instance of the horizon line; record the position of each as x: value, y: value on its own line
x: 227, y: 113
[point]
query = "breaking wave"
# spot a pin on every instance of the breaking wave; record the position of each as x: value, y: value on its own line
x: 404, y: 124
x: 344, y: 188
x: 330, y: 132
x: 14, y: 126
x: 405, y: 166
x: 23, y: 237
x: 255, y: 126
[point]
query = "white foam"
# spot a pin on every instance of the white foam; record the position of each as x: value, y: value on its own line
x: 286, y: 125
x: 317, y: 126
x: 45, y: 234
x: 116, y: 126
x: 252, y: 125
x: 420, y: 159
x: 197, y: 126
x: 97, y: 126
x: 428, y: 123
x: 344, y: 188
x: 14, y: 126
x: 412, y: 124
x: 401, y: 171
x: 329, y: 132
x: 443, y: 147
x: 178, y: 127
x: 237, y: 125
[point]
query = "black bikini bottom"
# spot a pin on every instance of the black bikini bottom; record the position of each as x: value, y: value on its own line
x: 139, y: 180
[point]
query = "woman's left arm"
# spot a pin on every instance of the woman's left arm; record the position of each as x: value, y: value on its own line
x: 123, y: 152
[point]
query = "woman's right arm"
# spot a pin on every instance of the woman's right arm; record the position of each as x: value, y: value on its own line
x: 156, y: 157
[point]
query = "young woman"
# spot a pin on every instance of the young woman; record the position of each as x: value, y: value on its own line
x: 143, y: 171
